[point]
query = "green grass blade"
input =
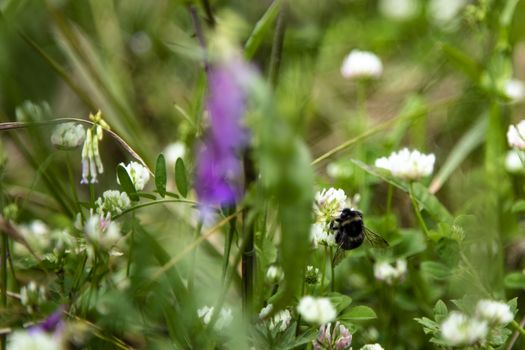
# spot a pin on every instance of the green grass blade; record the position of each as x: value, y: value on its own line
x: 261, y: 29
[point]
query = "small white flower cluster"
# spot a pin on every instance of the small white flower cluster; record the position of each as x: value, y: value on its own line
x: 338, y: 339
x: 225, y: 317
x: 516, y: 136
x: 34, y: 340
x: 68, y: 136
x: 113, y: 202
x: 138, y: 174
x: 383, y: 271
x: 316, y: 310
x: 459, y: 329
x: 514, y: 90
x: 375, y: 346
x: 328, y: 204
x: 280, y: 321
x: 101, y: 231
x: 274, y: 274
x: 312, y: 275
x: 408, y: 165
x: 32, y: 295
x: 91, y: 161
x: 361, y: 65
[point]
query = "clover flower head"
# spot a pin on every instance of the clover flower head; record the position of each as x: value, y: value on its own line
x: 32, y: 295
x: 138, y: 174
x: 281, y: 320
x: 205, y: 313
x: 316, y: 310
x: 514, y: 90
x: 361, y: 64
x: 494, y: 312
x: 338, y: 339
x: 329, y: 203
x: 444, y: 11
x: 384, y: 271
x: 513, y: 162
x: 68, y: 136
x: 408, y: 165
x: 459, y: 329
x: 321, y: 235
x: 101, y: 231
x: 516, y: 136
x: 375, y: 346
x: 34, y: 340
x: 113, y: 202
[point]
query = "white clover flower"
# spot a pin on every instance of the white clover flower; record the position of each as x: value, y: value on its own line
x: 316, y: 310
x: 494, y: 312
x: 516, y: 136
x: 399, y: 10
x: 329, y: 203
x: 101, y: 231
x: 36, y: 234
x: 372, y: 347
x: 383, y: 271
x: 112, y: 201
x: 458, y: 329
x: 361, y: 64
x: 32, y: 295
x: 408, y: 165
x: 174, y: 151
x: 274, y: 274
x: 443, y: 11
x: 34, y: 340
x: 320, y: 235
x: 513, y: 162
x: 281, y: 320
x: 68, y: 136
x: 138, y: 174
x: 225, y: 317
x: 514, y: 90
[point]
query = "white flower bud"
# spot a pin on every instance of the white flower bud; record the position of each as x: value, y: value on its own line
x: 372, y: 347
x: 281, y: 320
x: 516, y: 135
x: 225, y: 317
x: 361, y: 64
x: 113, y: 202
x: 34, y: 340
x: 514, y: 90
x: 399, y: 10
x: 174, y: 151
x: 274, y: 274
x: 68, y: 136
x: 138, y: 174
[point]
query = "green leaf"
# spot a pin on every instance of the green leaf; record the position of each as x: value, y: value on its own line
x: 429, y: 326
x: 469, y: 142
x: 160, y: 175
x: 436, y: 270
x: 431, y: 204
x: 261, y: 28
x: 126, y: 183
x: 180, y: 177
x: 519, y: 206
x: 359, y: 313
x: 440, y: 311
x: 515, y: 280
x: 339, y: 301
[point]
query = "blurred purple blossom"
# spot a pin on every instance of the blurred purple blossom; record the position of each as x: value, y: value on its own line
x: 219, y: 177
x: 53, y: 323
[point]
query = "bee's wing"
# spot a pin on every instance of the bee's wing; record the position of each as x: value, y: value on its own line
x: 374, y: 239
x: 339, y: 255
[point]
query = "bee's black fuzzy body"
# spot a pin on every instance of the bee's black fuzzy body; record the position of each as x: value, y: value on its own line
x: 349, y: 229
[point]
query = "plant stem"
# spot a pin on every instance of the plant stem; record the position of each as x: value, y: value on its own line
x: 416, y: 210
x: 3, y: 276
x: 389, y: 195
x: 209, y: 13
x: 518, y: 327
x: 228, y: 245
x: 200, y: 35
x: 277, y: 47
x: 332, y: 282
x: 191, y: 277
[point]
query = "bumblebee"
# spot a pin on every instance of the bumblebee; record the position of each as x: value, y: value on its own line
x: 350, y: 232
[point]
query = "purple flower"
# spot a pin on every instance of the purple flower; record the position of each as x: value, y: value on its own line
x: 338, y: 339
x: 53, y: 323
x: 219, y: 176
